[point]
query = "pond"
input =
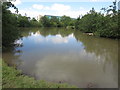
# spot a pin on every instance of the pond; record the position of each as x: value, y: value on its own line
x: 66, y: 56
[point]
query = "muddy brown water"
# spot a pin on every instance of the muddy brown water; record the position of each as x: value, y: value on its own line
x: 67, y: 56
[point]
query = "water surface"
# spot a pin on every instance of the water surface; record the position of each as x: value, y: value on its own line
x: 67, y: 56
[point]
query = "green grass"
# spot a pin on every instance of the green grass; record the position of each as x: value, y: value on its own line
x: 12, y: 78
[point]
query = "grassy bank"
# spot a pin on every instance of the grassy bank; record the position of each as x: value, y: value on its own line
x: 12, y: 78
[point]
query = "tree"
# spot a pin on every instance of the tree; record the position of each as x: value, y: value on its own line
x: 34, y: 23
x: 111, y: 8
x: 99, y: 24
x: 54, y: 21
x: 9, y: 25
x: 23, y: 21
x: 65, y: 21
x: 88, y: 22
x: 45, y: 21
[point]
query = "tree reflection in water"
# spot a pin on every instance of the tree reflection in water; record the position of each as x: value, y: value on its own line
x: 75, y: 48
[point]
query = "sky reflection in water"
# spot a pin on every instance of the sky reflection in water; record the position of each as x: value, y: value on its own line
x: 68, y: 56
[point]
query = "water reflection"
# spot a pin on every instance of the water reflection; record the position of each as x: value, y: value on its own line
x: 57, y: 54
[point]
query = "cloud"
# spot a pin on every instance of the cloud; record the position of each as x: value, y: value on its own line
x: 55, y: 7
x: 34, y: 13
x: 36, y: 6
x: 72, y: 13
x: 29, y: 11
x: 59, y: 10
x: 59, y: 39
x: 17, y: 2
x: 60, y: 7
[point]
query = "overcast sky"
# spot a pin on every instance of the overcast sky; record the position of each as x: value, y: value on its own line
x: 72, y: 8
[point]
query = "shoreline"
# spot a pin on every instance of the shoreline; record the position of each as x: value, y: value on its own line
x: 19, y: 80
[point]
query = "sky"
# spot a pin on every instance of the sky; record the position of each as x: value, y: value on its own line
x: 72, y: 8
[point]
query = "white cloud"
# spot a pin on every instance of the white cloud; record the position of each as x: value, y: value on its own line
x: 71, y: 13
x: 30, y: 12
x: 59, y: 39
x: 47, y: 8
x: 17, y: 2
x: 60, y: 7
x: 59, y: 10
x: 82, y: 8
x: 36, y: 6
x: 12, y: 10
x: 34, y: 13
x: 55, y: 9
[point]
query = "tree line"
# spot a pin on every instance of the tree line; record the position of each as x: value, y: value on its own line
x: 99, y: 24
x: 54, y: 21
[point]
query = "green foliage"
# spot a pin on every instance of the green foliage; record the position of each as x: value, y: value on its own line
x: 63, y: 21
x: 109, y: 27
x: 88, y: 23
x: 111, y: 8
x: 99, y: 24
x: 23, y: 21
x: 9, y: 26
x: 45, y: 21
x: 54, y: 21
x: 34, y: 23
x: 9, y: 74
